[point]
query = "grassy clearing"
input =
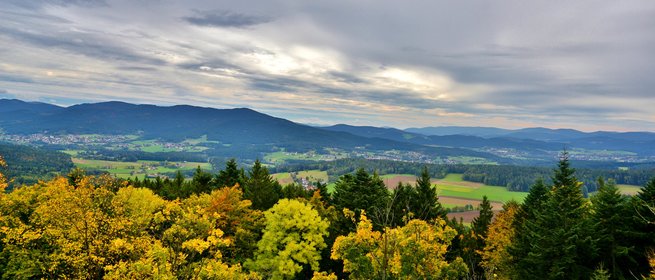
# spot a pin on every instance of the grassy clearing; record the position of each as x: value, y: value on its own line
x: 72, y: 153
x: 198, y: 141
x: 454, y: 186
x: 471, y: 160
x: 140, y: 169
x: 629, y: 189
x: 154, y: 146
x: 282, y: 156
x: 313, y: 175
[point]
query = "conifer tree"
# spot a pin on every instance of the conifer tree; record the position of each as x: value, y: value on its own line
x: 643, y: 206
x: 525, y: 217
x: 426, y: 204
x: 402, y: 198
x: 261, y: 188
x: 362, y: 191
x: 611, y: 226
x: 475, y: 241
x: 562, y: 246
x: 231, y: 176
x: 201, y: 181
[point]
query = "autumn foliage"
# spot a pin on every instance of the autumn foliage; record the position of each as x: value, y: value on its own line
x: 95, y: 227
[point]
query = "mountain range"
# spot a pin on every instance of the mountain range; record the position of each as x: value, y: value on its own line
x: 242, y: 127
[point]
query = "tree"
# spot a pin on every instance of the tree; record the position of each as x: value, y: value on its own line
x: 643, y: 205
x: 238, y: 221
x: 414, y: 251
x: 3, y: 179
x: 293, y: 237
x: 362, y: 191
x: 401, y: 199
x: 426, y: 204
x: 231, y: 176
x: 562, y: 246
x: 496, y: 260
x: 611, y: 227
x: 524, y: 228
x: 261, y: 188
x: 475, y: 241
x: 201, y: 181
x: 294, y: 190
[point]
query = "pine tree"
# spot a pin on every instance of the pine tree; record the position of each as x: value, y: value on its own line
x: 261, y: 188
x: 525, y: 217
x: 611, y: 226
x: 362, y: 191
x: 402, y: 198
x: 475, y: 241
x: 426, y: 204
x: 202, y: 181
x: 643, y: 221
x: 562, y: 246
x: 231, y: 176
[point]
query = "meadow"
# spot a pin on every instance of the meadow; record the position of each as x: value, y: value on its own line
x: 140, y: 168
x: 286, y: 178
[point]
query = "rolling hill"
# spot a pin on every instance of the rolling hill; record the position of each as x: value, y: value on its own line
x: 239, y: 128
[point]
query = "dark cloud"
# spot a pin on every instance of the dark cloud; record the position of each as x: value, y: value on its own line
x: 223, y: 18
x: 14, y: 78
x: 80, y: 43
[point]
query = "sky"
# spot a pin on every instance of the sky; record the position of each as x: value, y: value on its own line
x: 587, y: 65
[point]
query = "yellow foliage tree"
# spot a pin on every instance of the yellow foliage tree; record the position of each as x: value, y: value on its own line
x: 651, y: 261
x: 3, y: 179
x: 324, y: 276
x: 95, y: 227
x: 496, y: 261
x: 414, y: 251
x: 240, y: 223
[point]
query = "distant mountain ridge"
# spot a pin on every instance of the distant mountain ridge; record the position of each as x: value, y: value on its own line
x: 638, y: 142
x: 240, y: 128
x: 246, y: 129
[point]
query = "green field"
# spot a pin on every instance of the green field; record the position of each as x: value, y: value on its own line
x: 282, y: 156
x: 458, y: 191
x: 471, y: 160
x: 313, y: 175
x: 140, y: 169
x: 453, y: 185
x: 154, y: 146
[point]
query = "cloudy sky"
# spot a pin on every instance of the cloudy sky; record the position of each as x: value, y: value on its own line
x: 588, y: 65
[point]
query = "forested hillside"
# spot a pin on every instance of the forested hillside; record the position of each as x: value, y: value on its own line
x: 27, y: 165
x: 244, y: 225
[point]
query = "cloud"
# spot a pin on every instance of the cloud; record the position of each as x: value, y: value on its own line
x: 223, y: 18
x: 584, y: 65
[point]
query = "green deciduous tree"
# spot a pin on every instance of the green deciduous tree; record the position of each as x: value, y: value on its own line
x: 293, y: 237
